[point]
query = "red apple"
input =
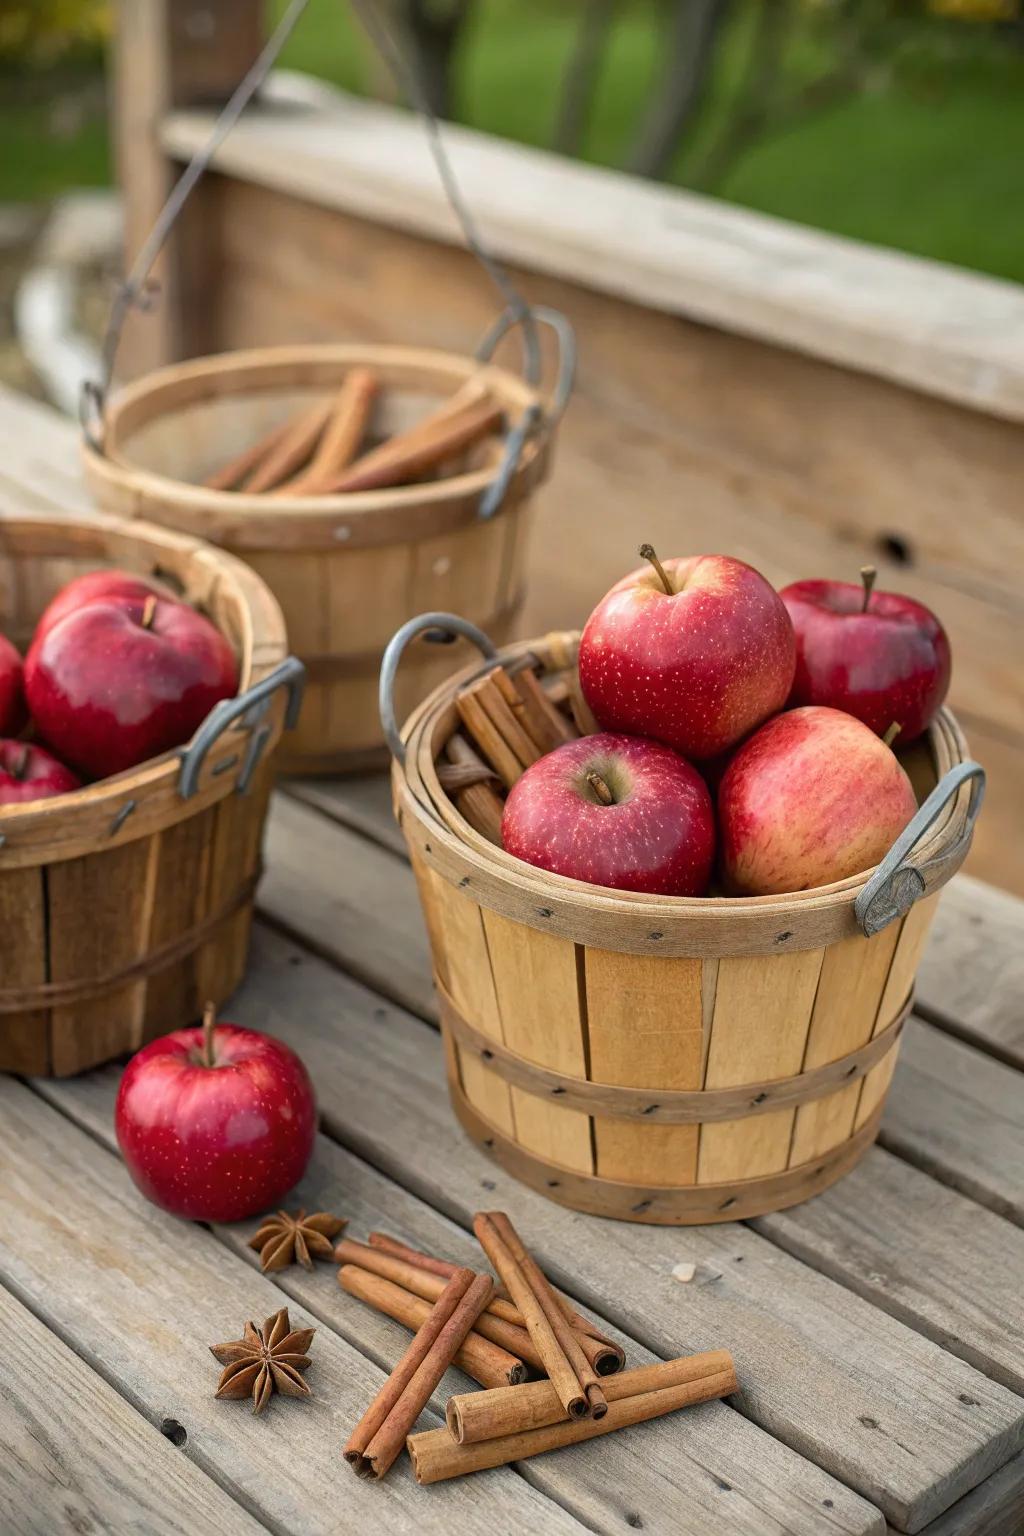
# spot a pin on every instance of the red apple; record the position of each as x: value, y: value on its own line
x: 812, y: 797
x: 215, y: 1123
x: 12, y: 692
x: 120, y: 681
x: 617, y: 811
x: 694, y: 652
x: 29, y: 773
x: 878, y: 655
x: 96, y: 586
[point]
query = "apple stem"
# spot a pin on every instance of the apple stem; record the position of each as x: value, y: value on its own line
x: 21, y: 766
x: 209, y: 1024
x: 600, y: 788
x: 867, y: 576
x: 149, y: 611
x: 892, y: 732
x: 647, y: 552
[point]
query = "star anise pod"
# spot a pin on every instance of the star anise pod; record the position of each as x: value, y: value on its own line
x: 265, y: 1360
x: 283, y: 1239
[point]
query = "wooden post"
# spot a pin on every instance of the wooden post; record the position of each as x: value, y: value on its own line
x: 167, y: 54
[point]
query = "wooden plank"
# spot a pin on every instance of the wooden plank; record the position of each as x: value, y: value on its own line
x: 141, y: 1295
x: 659, y: 246
x: 971, y: 979
x: 75, y: 1456
x: 959, y: 1115
x: 923, y: 1253
x: 709, y: 1472
x: 992, y: 1509
x: 362, y: 803
x: 885, y: 1404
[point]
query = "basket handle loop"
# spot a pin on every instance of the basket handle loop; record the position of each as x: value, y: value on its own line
x: 897, y: 883
x: 534, y: 415
x: 251, y: 706
x: 442, y: 629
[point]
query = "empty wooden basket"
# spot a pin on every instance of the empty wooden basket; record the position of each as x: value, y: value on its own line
x: 346, y: 569
x: 670, y: 1060
x: 126, y: 905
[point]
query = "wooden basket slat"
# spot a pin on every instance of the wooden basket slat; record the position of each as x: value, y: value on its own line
x: 347, y: 570
x: 912, y: 939
x: 24, y: 1036
x: 173, y: 994
x: 846, y: 1012
x: 645, y: 1025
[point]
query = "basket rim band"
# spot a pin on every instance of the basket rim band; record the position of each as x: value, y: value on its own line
x: 663, y: 1204
x: 63, y: 994
x: 669, y: 1106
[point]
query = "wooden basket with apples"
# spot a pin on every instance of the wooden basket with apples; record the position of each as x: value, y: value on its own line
x: 362, y: 482
x: 670, y: 995
x: 135, y: 743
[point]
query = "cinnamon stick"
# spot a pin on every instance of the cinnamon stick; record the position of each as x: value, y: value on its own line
x: 571, y: 1373
x: 486, y: 1362
x: 235, y: 470
x: 291, y: 453
x: 474, y: 793
x: 377, y: 1439
x: 411, y: 454
x: 542, y: 721
x: 502, y: 1322
x: 603, y: 1353
x: 342, y: 436
x: 476, y: 1416
x: 436, y: 1456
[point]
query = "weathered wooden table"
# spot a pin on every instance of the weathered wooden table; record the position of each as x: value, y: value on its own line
x: 878, y: 1331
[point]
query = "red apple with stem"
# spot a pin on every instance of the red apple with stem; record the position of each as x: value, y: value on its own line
x: 812, y: 797
x: 617, y: 811
x: 693, y: 652
x: 96, y: 586
x: 119, y: 681
x: 12, y: 691
x: 27, y: 772
x: 878, y: 655
x: 215, y: 1123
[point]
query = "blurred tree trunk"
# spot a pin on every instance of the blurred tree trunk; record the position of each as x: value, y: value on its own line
x: 580, y: 78
x: 692, y: 29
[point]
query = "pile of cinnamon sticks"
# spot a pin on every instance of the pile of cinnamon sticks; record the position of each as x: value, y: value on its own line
x: 322, y: 452
x: 509, y: 720
x: 496, y: 1334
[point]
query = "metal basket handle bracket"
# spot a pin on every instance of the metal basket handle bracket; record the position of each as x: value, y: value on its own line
x: 897, y: 883
x: 442, y: 628
x: 251, y: 708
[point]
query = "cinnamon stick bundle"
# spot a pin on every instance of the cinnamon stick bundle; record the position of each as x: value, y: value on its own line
x: 470, y: 783
x: 502, y: 1323
x: 436, y: 1455
x: 342, y: 436
x: 380, y: 1434
x: 231, y: 474
x: 476, y: 1416
x: 291, y: 451
x: 571, y: 1373
x: 480, y: 1358
x: 410, y: 454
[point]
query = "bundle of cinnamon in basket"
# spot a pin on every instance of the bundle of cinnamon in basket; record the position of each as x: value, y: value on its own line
x: 320, y: 451
x: 584, y: 1393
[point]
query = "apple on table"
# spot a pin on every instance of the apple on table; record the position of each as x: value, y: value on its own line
x: 693, y: 652
x: 878, y: 655
x: 617, y: 811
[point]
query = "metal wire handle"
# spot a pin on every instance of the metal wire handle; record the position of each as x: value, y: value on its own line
x: 897, y: 883
x: 251, y: 707
x: 534, y: 414
x: 439, y: 627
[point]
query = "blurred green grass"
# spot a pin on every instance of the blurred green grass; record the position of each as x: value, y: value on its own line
x: 928, y: 162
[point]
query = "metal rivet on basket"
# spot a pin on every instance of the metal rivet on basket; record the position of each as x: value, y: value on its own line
x: 544, y: 912
x: 342, y: 533
x: 486, y: 1055
x: 3, y: 838
x: 655, y: 935
x: 650, y: 1109
x: 851, y: 1071
x: 463, y: 882
x: 759, y: 1099
x: 224, y: 766
x: 488, y: 1141
x: 558, y: 1090
x: 727, y: 1203
x: 780, y: 938
x: 554, y: 1183
x: 636, y: 1209
x: 121, y: 817
x: 427, y: 848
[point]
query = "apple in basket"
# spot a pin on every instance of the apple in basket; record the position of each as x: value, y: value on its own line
x: 878, y: 655
x: 93, y: 587
x: 812, y: 797
x: 693, y: 652
x: 12, y: 693
x: 215, y: 1123
x: 27, y: 773
x: 123, y: 679
x: 617, y: 811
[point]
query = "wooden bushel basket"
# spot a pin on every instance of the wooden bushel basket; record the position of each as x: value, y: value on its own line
x: 346, y: 569
x: 670, y: 1060
x: 126, y: 905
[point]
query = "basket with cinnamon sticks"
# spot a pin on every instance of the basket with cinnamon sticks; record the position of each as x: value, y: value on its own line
x: 497, y: 1333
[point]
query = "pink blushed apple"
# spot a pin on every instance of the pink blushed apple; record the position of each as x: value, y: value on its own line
x: 93, y: 587
x: 814, y: 796
x: 615, y: 811
x: 880, y: 656
x: 12, y: 692
x: 694, y: 653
